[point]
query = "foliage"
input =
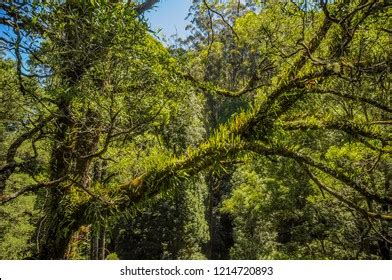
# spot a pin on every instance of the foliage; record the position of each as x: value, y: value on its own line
x: 265, y: 134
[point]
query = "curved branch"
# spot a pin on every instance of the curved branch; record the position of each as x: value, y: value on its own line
x: 346, y: 95
x: 303, y: 159
x: 349, y: 127
x: 10, y: 165
x: 207, y: 87
x: 350, y: 204
x: 31, y: 188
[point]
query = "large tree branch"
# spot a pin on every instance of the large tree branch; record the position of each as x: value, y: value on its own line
x: 156, y: 181
x: 280, y: 99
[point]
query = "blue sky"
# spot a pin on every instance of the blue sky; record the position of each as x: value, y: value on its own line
x: 169, y: 15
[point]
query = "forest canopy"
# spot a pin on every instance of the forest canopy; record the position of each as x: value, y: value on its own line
x: 265, y: 134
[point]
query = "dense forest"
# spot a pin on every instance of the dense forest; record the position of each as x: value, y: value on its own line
x: 265, y: 134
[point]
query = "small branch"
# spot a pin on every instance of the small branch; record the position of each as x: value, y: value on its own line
x: 303, y: 159
x: 327, y: 13
x: 147, y: 5
x: 7, y: 198
x: 93, y: 195
x: 346, y: 95
x: 10, y: 165
x: 382, y: 122
x: 386, y: 30
x: 212, y: 37
x: 350, y: 204
x: 350, y: 128
x: 360, y: 7
x: 209, y: 88
x: 223, y: 19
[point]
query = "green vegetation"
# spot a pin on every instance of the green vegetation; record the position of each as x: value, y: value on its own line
x: 266, y: 134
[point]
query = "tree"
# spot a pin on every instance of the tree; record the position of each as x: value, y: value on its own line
x: 316, y: 78
x: 87, y: 66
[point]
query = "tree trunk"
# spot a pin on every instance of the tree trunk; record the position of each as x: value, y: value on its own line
x: 384, y: 245
x: 56, y: 233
